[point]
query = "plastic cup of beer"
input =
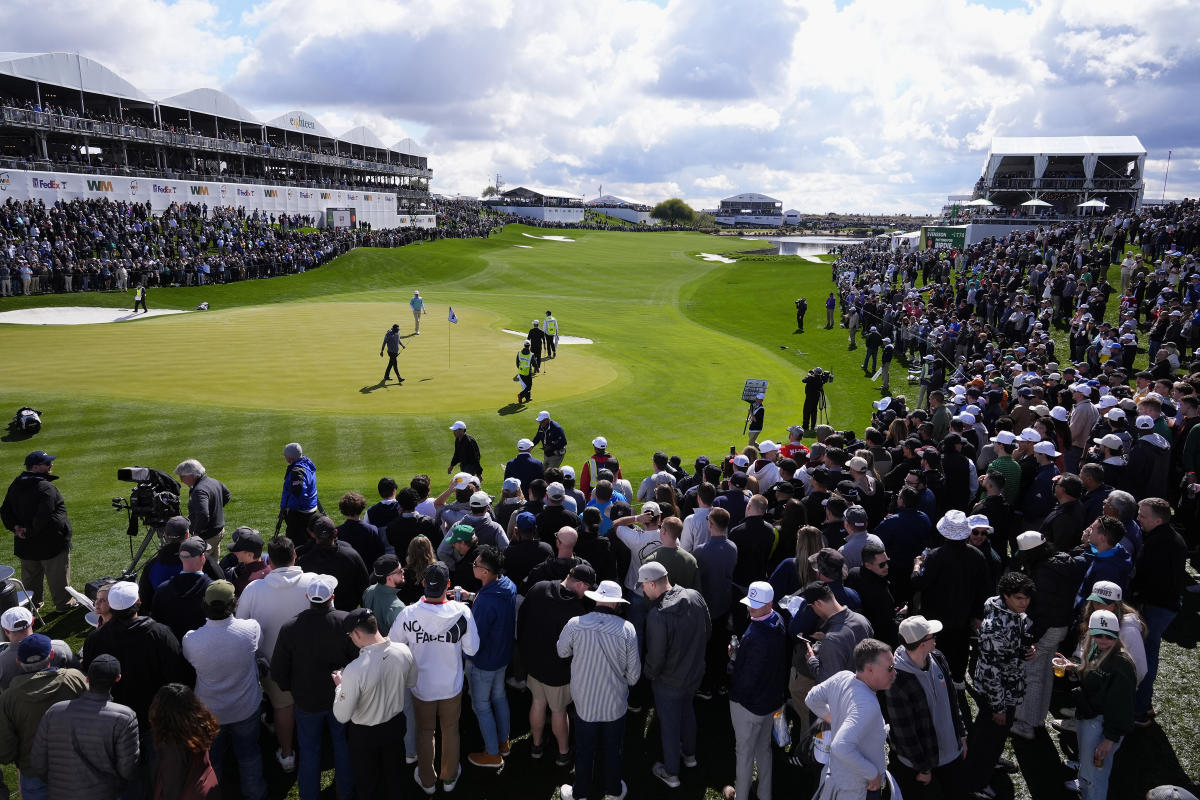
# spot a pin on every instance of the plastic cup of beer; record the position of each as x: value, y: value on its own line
x: 1060, y: 666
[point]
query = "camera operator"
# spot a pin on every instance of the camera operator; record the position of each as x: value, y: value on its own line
x: 207, y: 498
x: 814, y: 387
x: 34, y: 510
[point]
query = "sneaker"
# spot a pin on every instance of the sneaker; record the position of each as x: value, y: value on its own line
x: 621, y: 796
x: 288, y: 763
x: 564, y: 759
x: 486, y: 760
x: 690, y: 762
x: 448, y: 786
x: 1072, y: 785
x: 536, y: 750
x: 660, y: 772
x: 1023, y: 731
x: 704, y: 694
x: 424, y: 788
x: 1006, y: 765
x: 1065, y: 725
x: 505, y: 748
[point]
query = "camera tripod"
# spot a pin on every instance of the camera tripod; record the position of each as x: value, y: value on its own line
x: 823, y: 408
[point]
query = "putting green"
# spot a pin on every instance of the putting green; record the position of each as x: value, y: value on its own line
x: 311, y: 356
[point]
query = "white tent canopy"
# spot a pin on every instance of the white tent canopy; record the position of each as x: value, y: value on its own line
x: 213, y: 102
x: 1036, y: 202
x: 1093, y: 204
x: 981, y: 202
x: 364, y: 136
x: 300, y: 122
x: 408, y: 147
x: 1067, y: 146
x: 71, y: 70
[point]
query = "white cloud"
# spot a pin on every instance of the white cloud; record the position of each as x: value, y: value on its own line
x: 866, y: 105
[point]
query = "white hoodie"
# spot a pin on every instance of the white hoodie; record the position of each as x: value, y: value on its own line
x: 439, y: 635
x: 274, y: 600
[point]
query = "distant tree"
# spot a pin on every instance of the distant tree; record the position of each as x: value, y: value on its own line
x: 704, y: 220
x: 673, y: 212
x: 490, y: 192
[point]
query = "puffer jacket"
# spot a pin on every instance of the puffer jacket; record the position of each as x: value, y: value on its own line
x: 1149, y: 466
x: 677, y: 630
x: 24, y: 704
x: 89, y: 745
x: 1000, y: 672
x: 34, y: 503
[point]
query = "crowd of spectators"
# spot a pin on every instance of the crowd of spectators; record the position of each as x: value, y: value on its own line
x: 1026, y: 525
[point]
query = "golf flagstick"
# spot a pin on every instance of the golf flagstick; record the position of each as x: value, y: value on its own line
x: 453, y: 320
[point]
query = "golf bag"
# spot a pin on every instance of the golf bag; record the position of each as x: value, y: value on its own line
x: 26, y: 421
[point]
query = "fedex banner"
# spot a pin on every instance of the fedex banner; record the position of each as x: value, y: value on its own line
x: 377, y: 208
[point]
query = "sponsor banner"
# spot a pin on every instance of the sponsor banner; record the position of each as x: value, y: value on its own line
x: 377, y: 208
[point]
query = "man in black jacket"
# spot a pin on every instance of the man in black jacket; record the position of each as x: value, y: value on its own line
x: 179, y: 601
x: 871, y: 582
x: 552, y: 438
x: 466, y: 451
x: 1063, y: 526
x: 207, y: 498
x: 150, y: 658
x: 34, y: 510
x: 330, y: 556
x: 410, y: 524
x: 309, y: 649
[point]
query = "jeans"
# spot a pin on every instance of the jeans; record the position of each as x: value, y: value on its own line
x: 608, y: 738
x: 1093, y: 780
x: 985, y: 744
x: 1038, y: 679
x: 677, y: 719
x: 33, y: 788
x: 752, y: 738
x: 310, y: 725
x: 243, y: 737
x: 872, y: 356
x: 1157, y: 620
x: 490, y: 704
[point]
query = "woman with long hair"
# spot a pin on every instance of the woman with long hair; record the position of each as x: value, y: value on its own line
x: 792, y: 517
x: 1104, y: 708
x: 183, y: 730
x: 1107, y: 596
x: 793, y: 574
x: 418, y: 557
x: 664, y: 495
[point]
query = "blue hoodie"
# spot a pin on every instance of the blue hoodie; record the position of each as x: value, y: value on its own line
x: 495, y: 612
x: 299, y: 486
x: 760, y: 672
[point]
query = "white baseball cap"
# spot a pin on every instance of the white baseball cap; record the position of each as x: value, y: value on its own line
x: 319, y: 590
x: 767, y: 446
x: 1059, y: 413
x: 1115, y: 414
x: 600, y: 442
x: 458, y: 425
x: 1105, y: 592
x: 741, y: 460
x: 1029, y: 540
x: 1104, y: 623
x: 1046, y: 449
x: 759, y: 594
x: 17, y: 618
x: 1031, y: 435
x: 543, y: 416
x: 1144, y: 423
x: 122, y: 595
x: 1110, y: 440
x: 1004, y: 437
x: 524, y: 445
x: 915, y: 628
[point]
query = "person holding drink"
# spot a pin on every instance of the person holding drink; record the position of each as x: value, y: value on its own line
x: 1104, y: 697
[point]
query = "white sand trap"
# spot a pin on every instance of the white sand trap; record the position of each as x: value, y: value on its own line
x: 561, y: 339
x: 715, y: 257
x: 813, y: 259
x: 79, y: 315
x: 549, y: 238
x: 524, y: 246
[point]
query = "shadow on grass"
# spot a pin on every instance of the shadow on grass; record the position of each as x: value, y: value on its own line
x: 380, y: 385
x: 511, y: 408
x: 17, y: 436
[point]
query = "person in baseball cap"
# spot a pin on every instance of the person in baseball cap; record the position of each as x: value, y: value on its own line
x: 17, y: 623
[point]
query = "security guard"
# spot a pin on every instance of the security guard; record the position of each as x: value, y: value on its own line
x: 525, y: 373
x: 550, y: 328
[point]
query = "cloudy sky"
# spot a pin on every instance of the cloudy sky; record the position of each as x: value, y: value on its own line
x: 870, y: 105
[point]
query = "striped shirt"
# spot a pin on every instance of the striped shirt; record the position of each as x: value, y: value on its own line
x: 603, y: 649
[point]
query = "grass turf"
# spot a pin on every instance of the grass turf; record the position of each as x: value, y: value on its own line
x: 296, y: 358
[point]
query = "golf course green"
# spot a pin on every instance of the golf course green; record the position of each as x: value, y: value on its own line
x: 297, y: 359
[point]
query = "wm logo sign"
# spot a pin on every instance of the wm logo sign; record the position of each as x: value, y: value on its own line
x: 200, y: 190
x: 326, y: 195
x: 270, y: 193
x: 99, y: 186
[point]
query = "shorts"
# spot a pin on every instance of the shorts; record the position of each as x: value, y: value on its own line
x: 278, y: 697
x: 557, y: 697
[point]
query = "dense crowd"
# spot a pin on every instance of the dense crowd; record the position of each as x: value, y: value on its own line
x: 96, y: 245
x: 1026, y: 525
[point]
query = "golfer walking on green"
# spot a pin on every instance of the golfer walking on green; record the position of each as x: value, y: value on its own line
x: 418, y: 309
x: 391, y: 341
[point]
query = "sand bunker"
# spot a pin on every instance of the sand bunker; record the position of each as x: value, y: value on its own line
x: 78, y: 315
x: 549, y: 238
x: 715, y: 257
x: 524, y: 246
x: 561, y: 339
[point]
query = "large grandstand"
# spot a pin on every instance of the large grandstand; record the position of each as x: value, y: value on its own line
x: 70, y: 128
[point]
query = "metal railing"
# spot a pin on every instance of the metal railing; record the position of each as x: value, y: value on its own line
x: 50, y: 122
